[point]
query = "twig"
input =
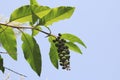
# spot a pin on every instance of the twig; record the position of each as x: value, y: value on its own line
x: 15, y: 72
x: 3, y: 52
x: 49, y: 31
x: 27, y: 27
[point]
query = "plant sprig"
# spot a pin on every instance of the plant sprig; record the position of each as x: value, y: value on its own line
x: 38, y: 15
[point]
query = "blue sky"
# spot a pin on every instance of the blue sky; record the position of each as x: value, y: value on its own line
x: 96, y: 22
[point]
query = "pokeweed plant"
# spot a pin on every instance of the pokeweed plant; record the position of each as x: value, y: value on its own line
x: 35, y: 16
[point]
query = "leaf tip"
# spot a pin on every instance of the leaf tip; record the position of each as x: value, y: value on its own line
x: 85, y: 46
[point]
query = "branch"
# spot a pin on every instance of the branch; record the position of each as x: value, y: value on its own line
x: 11, y: 69
x: 15, y: 72
x: 3, y: 52
x: 27, y: 27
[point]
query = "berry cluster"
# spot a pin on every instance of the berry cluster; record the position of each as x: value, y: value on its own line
x: 63, y: 52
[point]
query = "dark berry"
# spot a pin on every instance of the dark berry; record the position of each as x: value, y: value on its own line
x: 63, y: 67
x: 63, y: 40
x: 62, y: 60
x: 62, y: 43
x: 61, y: 63
x: 61, y: 55
x: 59, y: 50
x: 59, y: 41
x: 63, y: 52
x: 56, y: 45
x: 66, y: 47
x: 66, y: 63
x: 59, y: 34
x: 58, y: 38
x: 67, y: 57
x: 54, y: 41
x: 67, y: 51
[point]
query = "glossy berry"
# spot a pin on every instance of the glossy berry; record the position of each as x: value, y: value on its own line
x: 56, y: 45
x: 61, y: 64
x: 59, y: 34
x: 63, y: 40
x: 58, y: 38
x: 66, y: 47
x: 63, y: 67
x: 61, y: 55
x: 54, y: 41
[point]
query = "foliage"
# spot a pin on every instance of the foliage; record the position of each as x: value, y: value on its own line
x: 36, y: 15
x: 1, y: 64
x: 53, y: 53
x: 31, y: 51
x: 8, y: 41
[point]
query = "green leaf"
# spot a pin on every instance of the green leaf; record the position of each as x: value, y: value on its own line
x: 73, y: 38
x: 1, y: 64
x: 40, y: 11
x: 35, y: 19
x: 56, y: 14
x: 32, y: 52
x: 8, y: 41
x: 53, y: 53
x: 73, y: 47
x: 33, y: 2
x: 23, y: 14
